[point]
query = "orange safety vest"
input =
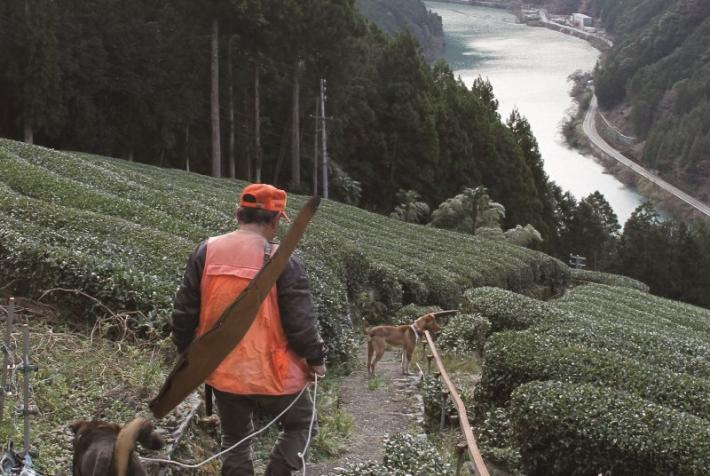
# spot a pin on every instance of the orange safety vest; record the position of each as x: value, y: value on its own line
x: 261, y: 364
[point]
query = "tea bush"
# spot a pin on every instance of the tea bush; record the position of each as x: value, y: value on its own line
x: 412, y: 454
x: 641, y: 307
x: 588, y: 276
x: 514, y: 358
x: 565, y: 429
x: 508, y: 310
x: 122, y: 231
x: 405, y: 455
x: 465, y: 334
x: 407, y: 314
x: 654, y: 351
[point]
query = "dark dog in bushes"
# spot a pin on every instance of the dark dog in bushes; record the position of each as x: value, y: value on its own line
x: 106, y: 449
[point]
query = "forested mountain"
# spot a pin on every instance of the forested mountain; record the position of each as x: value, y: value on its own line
x: 134, y: 80
x: 660, y: 66
x: 397, y: 16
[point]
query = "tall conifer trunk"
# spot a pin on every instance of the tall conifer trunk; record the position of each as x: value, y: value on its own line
x: 216, y: 144
x: 232, y: 138
x: 187, y: 147
x: 257, y: 126
x: 295, y: 127
x: 29, y: 132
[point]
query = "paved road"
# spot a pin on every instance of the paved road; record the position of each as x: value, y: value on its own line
x: 590, y: 129
x: 544, y: 19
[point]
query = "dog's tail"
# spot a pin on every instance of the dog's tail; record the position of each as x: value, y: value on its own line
x: 141, y: 430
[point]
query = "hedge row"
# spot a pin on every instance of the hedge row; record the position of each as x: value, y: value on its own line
x: 508, y: 310
x: 588, y: 276
x: 515, y: 358
x: 674, y: 314
x: 121, y: 232
x: 597, y: 330
x: 570, y: 429
x: 590, y: 318
x: 464, y: 334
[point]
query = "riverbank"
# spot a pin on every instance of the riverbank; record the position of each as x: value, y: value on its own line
x: 664, y: 195
x: 597, y: 41
x: 576, y: 136
x: 499, y: 4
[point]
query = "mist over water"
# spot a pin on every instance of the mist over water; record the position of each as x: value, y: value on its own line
x: 528, y: 68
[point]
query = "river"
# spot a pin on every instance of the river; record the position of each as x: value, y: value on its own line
x: 528, y: 68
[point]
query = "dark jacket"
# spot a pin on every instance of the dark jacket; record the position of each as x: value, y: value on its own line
x: 295, y: 305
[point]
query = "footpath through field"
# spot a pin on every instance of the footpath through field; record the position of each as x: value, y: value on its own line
x: 390, y: 403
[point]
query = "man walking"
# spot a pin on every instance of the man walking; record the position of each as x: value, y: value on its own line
x: 282, y: 348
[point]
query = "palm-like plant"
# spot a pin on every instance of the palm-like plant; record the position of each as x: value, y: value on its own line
x: 410, y: 209
x: 471, y: 209
x: 523, y: 235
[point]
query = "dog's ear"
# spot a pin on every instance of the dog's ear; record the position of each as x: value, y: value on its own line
x: 148, y: 437
x: 77, y: 426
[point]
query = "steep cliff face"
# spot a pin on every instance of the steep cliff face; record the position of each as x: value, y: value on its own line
x: 396, y: 16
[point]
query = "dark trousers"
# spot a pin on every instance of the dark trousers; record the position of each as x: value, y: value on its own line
x: 235, y: 414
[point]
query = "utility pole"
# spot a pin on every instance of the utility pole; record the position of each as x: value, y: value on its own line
x: 325, y: 138
x: 315, y: 152
x: 577, y: 261
x: 214, y: 103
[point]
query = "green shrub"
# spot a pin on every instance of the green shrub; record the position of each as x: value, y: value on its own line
x: 368, y: 468
x: 601, y: 329
x: 588, y: 276
x: 569, y: 429
x: 122, y: 231
x: 465, y: 334
x: 515, y: 358
x: 431, y: 388
x: 407, y: 314
x: 496, y: 439
x: 405, y: 455
x: 509, y: 310
x: 412, y: 454
x: 642, y: 308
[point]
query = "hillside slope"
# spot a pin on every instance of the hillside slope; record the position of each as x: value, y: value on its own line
x: 412, y: 16
x: 122, y: 231
x: 658, y: 72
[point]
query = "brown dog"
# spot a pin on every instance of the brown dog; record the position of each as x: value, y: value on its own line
x: 404, y: 336
x: 106, y: 449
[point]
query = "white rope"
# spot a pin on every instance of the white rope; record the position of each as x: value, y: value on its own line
x: 416, y: 334
x: 302, y: 454
x: 276, y: 418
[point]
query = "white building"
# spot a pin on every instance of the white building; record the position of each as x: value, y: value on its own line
x: 580, y: 20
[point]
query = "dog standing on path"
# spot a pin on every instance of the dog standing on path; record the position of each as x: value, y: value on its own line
x: 106, y: 449
x: 405, y: 336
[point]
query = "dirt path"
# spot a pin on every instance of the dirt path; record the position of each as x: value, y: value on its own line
x: 393, y: 405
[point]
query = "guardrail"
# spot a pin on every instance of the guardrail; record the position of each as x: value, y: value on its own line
x: 473, y: 451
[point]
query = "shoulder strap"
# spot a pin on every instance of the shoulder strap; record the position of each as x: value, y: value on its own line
x: 267, y: 251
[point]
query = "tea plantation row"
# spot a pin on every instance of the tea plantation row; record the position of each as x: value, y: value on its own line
x: 603, y: 380
x: 121, y: 232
